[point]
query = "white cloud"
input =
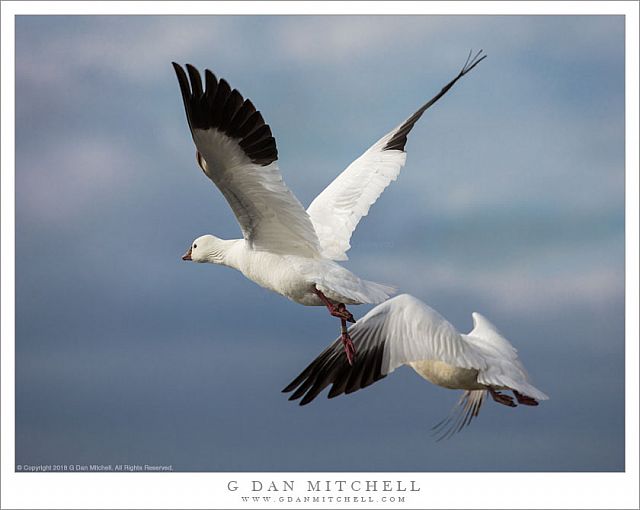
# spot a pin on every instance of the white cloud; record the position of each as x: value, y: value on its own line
x: 519, y: 288
x: 338, y: 39
x: 132, y: 50
x: 66, y: 180
x: 137, y: 47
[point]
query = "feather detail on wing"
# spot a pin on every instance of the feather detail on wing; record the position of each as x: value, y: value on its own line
x: 504, y: 368
x: 416, y: 332
x: 336, y: 211
x: 396, y: 332
x: 236, y: 150
x: 331, y: 367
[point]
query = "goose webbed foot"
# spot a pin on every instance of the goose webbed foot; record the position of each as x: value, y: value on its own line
x: 340, y: 310
x: 524, y: 400
x: 500, y: 398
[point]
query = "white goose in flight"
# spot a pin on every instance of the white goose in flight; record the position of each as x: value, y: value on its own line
x: 285, y: 248
x: 405, y: 331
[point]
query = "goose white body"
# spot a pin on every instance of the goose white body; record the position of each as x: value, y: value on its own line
x: 293, y: 276
x: 285, y: 248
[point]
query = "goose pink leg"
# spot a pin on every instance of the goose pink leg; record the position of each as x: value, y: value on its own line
x: 349, y: 348
x: 340, y: 311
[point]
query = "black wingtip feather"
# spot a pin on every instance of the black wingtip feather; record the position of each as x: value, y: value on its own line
x: 332, y: 368
x: 233, y: 104
x: 256, y: 136
x: 196, y: 81
x: 339, y: 386
x: 294, y: 384
x: 220, y: 107
x: 262, y: 145
x: 399, y: 139
x: 253, y: 122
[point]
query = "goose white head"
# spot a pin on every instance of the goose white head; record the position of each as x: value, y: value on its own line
x: 207, y: 248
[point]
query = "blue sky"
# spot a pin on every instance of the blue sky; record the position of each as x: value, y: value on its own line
x: 511, y: 204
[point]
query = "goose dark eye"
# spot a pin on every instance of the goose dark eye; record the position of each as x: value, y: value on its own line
x: 195, y: 246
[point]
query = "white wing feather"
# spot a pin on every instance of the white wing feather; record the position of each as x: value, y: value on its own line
x: 503, y: 366
x: 336, y: 211
x: 270, y: 216
x: 413, y: 331
x: 237, y: 151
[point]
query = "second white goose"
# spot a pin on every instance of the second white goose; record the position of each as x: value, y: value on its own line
x: 405, y: 331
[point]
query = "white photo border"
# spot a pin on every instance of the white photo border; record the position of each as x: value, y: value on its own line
x: 213, y: 490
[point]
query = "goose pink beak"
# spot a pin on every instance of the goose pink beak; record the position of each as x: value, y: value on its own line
x: 187, y: 256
